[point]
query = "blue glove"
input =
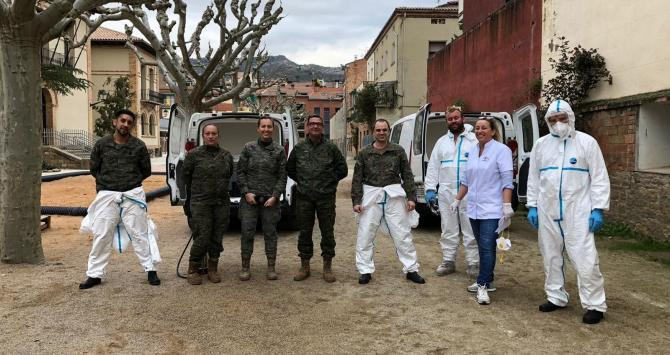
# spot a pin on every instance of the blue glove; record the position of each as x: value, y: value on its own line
x: 532, y: 217
x: 596, y: 220
x: 431, y: 195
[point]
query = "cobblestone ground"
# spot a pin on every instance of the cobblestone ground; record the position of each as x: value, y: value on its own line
x: 42, y: 311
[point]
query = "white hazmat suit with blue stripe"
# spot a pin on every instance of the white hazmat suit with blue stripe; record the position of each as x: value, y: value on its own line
x: 566, y: 181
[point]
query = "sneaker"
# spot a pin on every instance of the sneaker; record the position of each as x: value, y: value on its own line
x: 415, y: 277
x: 446, y: 268
x: 90, y: 282
x: 364, y: 279
x: 474, y: 287
x: 592, y: 316
x: 549, y: 307
x: 472, y: 271
x: 482, y: 295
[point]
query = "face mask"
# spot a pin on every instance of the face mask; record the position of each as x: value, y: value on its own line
x: 561, y: 129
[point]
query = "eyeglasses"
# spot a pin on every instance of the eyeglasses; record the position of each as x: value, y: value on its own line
x: 315, y: 124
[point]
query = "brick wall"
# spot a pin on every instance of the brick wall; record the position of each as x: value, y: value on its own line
x: 638, y: 199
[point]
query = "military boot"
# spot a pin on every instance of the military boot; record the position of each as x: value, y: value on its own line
x: 303, y: 273
x: 328, y: 270
x: 193, y: 276
x: 271, y: 274
x: 245, y: 274
x: 212, y: 271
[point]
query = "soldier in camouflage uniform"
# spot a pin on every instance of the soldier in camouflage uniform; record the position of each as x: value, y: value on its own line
x: 380, y: 199
x: 316, y: 165
x: 207, y: 172
x: 119, y: 163
x: 261, y: 177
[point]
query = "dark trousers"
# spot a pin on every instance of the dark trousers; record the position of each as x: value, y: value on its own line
x: 324, y: 208
x: 485, y: 233
x: 269, y: 216
x: 209, y: 222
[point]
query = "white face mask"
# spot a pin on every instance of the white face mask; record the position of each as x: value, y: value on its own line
x: 561, y: 129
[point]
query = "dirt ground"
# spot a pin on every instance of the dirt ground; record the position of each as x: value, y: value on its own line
x: 43, y: 311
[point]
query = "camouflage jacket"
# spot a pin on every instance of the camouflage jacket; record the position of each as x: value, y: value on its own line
x: 316, y: 168
x: 261, y: 169
x: 382, y: 168
x: 207, y: 172
x: 119, y: 167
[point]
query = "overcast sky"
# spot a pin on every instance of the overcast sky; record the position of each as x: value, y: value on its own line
x: 324, y: 32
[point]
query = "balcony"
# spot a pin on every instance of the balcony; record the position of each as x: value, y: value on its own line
x: 151, y: 96
x: 55, y: 58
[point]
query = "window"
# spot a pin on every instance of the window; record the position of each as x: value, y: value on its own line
x: 152, y: 125
x: 397, y: 131
x: 652, y: 140
x: 144, y: 127
x: 317, y: 111
x: 527, y: 128
x: 418, y: 132
x: 438, y: 21
x: 326, y: 113
x: 434, y: 47
x: 394, y: 53
x: 152, y: 82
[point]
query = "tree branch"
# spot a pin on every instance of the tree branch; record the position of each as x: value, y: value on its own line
x: 180, y: 9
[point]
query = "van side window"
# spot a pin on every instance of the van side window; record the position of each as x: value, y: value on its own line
x: 527, y: 127
x: 418, y: 133
x: 395, y: 135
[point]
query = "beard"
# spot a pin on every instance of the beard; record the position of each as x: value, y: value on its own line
x: 122, y: 132
x: 456, y: 128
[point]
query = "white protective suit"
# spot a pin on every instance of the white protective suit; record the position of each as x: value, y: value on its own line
x: 566, y: 181
x: 385, y: 207
x: 114, y: 218
x: 446, y: 168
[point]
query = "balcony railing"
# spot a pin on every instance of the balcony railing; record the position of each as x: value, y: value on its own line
x: 151, y: 96
x: 51, y: 57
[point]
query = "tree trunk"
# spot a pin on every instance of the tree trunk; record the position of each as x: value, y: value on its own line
x: 20, y: 144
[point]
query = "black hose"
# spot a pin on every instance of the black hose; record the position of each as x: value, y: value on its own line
x: 81, y: 211
x: 54, y: 177
x: 181, y: 256
x: 63, y: 211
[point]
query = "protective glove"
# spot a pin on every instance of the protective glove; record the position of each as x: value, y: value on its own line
x: 431, y: 195
x: 454, y: 206
x: 596, y: 220
x: 508, y: 211
x: 532, y: 217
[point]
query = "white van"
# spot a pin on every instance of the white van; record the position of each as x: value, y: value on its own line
x: 418, y: 133
x: 235, y: 129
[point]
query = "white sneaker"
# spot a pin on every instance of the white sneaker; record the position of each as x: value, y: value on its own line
x: 482, y: 295
x: 474, y: 287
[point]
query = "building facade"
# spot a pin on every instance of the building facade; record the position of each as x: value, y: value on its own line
x: 396, y: 60
x: 112, y: 59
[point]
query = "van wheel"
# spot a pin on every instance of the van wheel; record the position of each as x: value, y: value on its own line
x: 515, y: 199
x: 288, y: 220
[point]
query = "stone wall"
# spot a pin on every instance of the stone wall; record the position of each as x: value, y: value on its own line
x: 638, y: 199
x: 63, y: 160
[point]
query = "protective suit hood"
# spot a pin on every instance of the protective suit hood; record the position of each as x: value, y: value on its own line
x: 559, y: 106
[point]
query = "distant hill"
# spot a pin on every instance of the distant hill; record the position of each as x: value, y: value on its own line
x: 278, y: 66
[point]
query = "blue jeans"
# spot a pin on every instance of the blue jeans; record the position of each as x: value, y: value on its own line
x: 485, y: 233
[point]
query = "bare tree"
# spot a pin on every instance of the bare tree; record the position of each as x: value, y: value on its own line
x: 24, y: 28
x: 279, y: 102
x: 192, y: 75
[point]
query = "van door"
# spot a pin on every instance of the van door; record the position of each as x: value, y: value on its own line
x: 417, y: 160
x: 177, y: 132
x: 527, y: 132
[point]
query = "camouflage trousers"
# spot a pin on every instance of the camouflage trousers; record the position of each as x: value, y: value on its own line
x: 269, y: 216
x: 208, y: 223
x: 305, y: 209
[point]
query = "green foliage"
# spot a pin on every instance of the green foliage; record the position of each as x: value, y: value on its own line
x: 365, y: 110
x: 110, y: 100
x: 63, y: 79
x: 462, y: 104
x: 578, y: 70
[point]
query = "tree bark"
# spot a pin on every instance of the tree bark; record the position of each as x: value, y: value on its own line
x: 20, y: 143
